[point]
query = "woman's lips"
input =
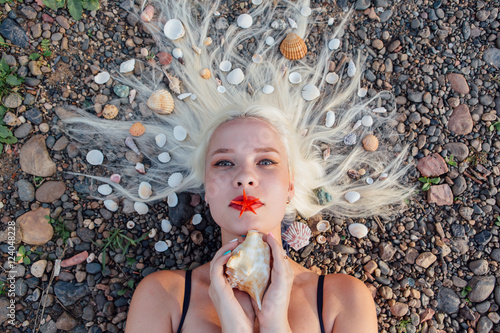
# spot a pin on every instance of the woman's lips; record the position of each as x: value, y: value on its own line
x: 244, y: 203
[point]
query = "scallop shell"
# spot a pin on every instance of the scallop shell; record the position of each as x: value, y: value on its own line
x: 244, y: 21
x: 225, y: 65
x: 141, y: 208
x: 180, y: 133
x: 379, y: 110
x: 95, y: 157
x: 305, y: 11
x: 104, y: 189
x: 323, y: 226
x: 177, y: 53
x: 248, y: 268
x: 166, y: 226
x: 130, y: 225
x: 297, y: 235
x: 332, y: 78
x: 257, y: 58
x: 358, y: 230
x: 131, y: 144
x: 310, y: 92
x: 352, y: 196
x: 205, y: 73
x: 102, y: 78
x: 350, y: 139
x: 197, y: 219
x: 172, y: 200
x: 140, y: 168
x: 175, y: 179
x: 137, y: 129
x: 268, y: 89
x: 293, y: 47
x: 160, y: 140
x: 269, y: 41
x: 367, y: 121
x: 164, y: 157
x: 147, y: 13
x: 351, y: 69
x: 330, y: 119
x: 334, y: 44
x: 161, y: 101
x: 236, y: 76
x: 362, y: 92
x: 174, y: 29
x: 295, y: 77
x: 127, y: 66
x: 115, y: 178
x: 110, y: 111
x: 145, y: 190
x: 111, y: 205
x: 161, y: 246
x: 320, y: 239
x: 370, y: 142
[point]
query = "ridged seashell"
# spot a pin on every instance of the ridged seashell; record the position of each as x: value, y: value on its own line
x: 383, y: 176
x: 330, y: 119
x: 221, y: 89
x: 362, y: 92
x: 127, y: 66
x: 268, y: 89
x: 141, y: 208
x: 160, y: 140
x: 196, y: 219
x: 352, y: 196
x: 332, y: 78
x: 379, y: 110
x: 131, y: 95
x: 323, y: 226
x: 257, y: 58
x: 110, y: 111
x: 351, y: 68
x: 174, y: 29
x: 177, y: 53
x: 166, y: 226
x: 111, y: 205
x: 102, y: 78
x: 297, y: 235
x: 130, y: 225
x: 369, y: 180
x: 175, y: 179
x: 161, y: 246
x: 370, y: 142
x: 164, y: 157
x: 305, y: 11
x: 358, y: 230
x: 244, y: 21
x: 320, y: 239
x: 350, y: 139
x: 95, y: 157
x: 145, y: 190
x: 353, y: 174
x: 293, y: 47
x: 225, y: 65
x: 205, y: 73
x: 295, y: 77
x: 207, y: 41
x: 161, y: 101
x: 180, y: 133
x: 269, y: 41
x: 367, y: 121
x: 196, y: 49
x: 115, y: 178
x: 292, y: 23
x: 310, y: 92
x: 248, y: 268
x: 104, y: 189
x: 140, y: 168
x: 172, y: 200
x: 164, y: 58
x: 334, y: 44
x: 147, y: 13
x: 236, y: 76
x: 131, y: 144
x: 137, y: 129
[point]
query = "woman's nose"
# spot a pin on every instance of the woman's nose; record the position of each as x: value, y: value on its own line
x: 245, y: 178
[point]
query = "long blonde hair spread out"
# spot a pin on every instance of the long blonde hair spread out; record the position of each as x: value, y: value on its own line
x: 300, y: 123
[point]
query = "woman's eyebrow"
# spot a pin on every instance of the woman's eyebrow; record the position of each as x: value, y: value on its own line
x: 257, y: 150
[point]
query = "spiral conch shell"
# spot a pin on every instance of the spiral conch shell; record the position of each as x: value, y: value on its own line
x: 161, y: 102
x: 248, y: 269
x: 293, y: 47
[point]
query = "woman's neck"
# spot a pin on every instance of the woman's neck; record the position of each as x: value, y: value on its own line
x: 227, y: 236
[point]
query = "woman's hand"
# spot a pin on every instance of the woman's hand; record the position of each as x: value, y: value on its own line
x: 274, y: 314
x: 233, y: 307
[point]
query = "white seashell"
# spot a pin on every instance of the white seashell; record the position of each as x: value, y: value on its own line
x: 379, y: 110
x: 305, y: 11
x: 140, y: 168
x: 130, y: 225
x: 221, y: 89
x: 269, y: 41
x: 383, y: 176
x: 105, y: 189
x: 177, y: 53
x: 166, y: 226
x: 358, y: 230
x: 131, y: 144
x: 102, y: 78
x: 351, y: 68
x: 367, y: 121
x: 141, y: 208
x: 334, y: 44
x: 145, y: 190
x: 320, y: 239
x: 330, y: 119
x: 244, y: 21
x: 256, y: 2
x: 331, y: 21
x: 184, y: 96
x: 292, y: 23
x: 174, y: 29
x: 115, y: 178
x: 310, y: 92
x: 236, y: 76
x: 196, y: 49
x: 172, y: 200
x: 111, y: 205
x: 164, y: 157
x: 362, y: 92
x: 160, y: 140
x: 369, y: 180
x: 127, y: 66
x: 350, y: 139
x: 257, y: 58
x: 356, y: 125
x: 297, y: 235
x: 295, y: 77
x: 161, y: 246
x: 267, y: 89
x: 225, y: 65
x: 175, y: 179
x: 323, y: 226
x: 152, y: 233
x: 207, y: 41
x: 131, y: 95
x: 193, y: 97
x: 332, y: 78
x: 197, y: 219
x: 326, y: 153
x: 90, y: 258
x: 180, y: 133
x: 95, y: 157
x: 352, y: 196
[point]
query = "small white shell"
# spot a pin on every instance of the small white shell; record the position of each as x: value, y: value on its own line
x: 152, y: 233
x: 115, y: 178
x: 383, y: 176
x: 332, y: 78
x: 145, y: 190
x: 295, y: 77
x: 323, y: 226
x: 184, y: 96
x: 269, y: 41
x: 350, y: 139
x: 379, y: 110
x: 140, y: 168
x: 141, y: 208
x: 197, y: 219
x: 95, y: 157
x: 310, y: 92
x: 362, y: 92
x: 90, y: 258
x: 175, y: 179
x: 367, y: 121
x: 256, y: 2
x: 161, y: 246
x: 331, y: 21
x: 221, y: 89
x: 180, y: 133
x: 334, y: 44
x: 351, y: 68
x: 174, y: 29
x: 352, y: 196
x: 166, y: 226
x: 244, y: 21
x: 172, y: 200
x: 358, y: 230
x: 268, y: 89
x: 236, y: 76
x: 305, y: 11
x: 330, y: 119
x: 164, y: 157
x: 111, y: 205
x: 357, y: 124
x: 105, y: 189
x: 130, y: 225
x: 131, y: 95
x: 160, y: 140
x: 127, y: 66
x: 292, y: 23
x: 102, y: 78
x: 225, y: 65
x: 369, y: 180
x: 257, y: 58
x: 177, y: 53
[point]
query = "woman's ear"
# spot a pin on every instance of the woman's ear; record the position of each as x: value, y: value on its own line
x: 291, y: 188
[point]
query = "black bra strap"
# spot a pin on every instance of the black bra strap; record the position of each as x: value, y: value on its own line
x: 187, y: 295
x: 319, y: 299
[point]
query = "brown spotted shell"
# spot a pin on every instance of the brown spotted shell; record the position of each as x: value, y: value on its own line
x: 161, y: 101
x: 370, y: 142
x: 293, y: 47
x: 110, y: 111
x: 205, y: 73
x: 137, y: 129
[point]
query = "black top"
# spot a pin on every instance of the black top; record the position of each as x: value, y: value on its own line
x: 187, y: 296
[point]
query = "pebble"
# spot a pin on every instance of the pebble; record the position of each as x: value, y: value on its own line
x: 459, y: 150
x: 484, y: 325
x: 483, y: 237
x: 441, y: 195
x: 23, y: 131
x: 432, y: 166
x: 69, y: 293
x: 13, y: 101
x: 34, y: 158
x: 38, y: 268
x: 11, y: 30
x: 50, y: 191
x: 460, y: 121
x: 26, y: 190
x: 482, y: 287
x: 399, y: 309
x: 35, y: 228
x: 479, y: 267
x: 425, y: 259
x: 460, y: 185
x: 448, y: 301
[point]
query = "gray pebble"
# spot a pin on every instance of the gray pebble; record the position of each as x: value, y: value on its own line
x: 23, y: 130
x: 484, y: 325
x: 448, y: 301
x: 26, y: 190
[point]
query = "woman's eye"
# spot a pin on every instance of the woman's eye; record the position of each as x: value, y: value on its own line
x: 267, y: 162
x: 223, y: 163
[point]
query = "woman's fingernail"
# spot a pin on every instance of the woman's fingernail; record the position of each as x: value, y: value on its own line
x: 234, y: 240
x: 272, y: 236
x: 243, y: 236
x: 227, y: 252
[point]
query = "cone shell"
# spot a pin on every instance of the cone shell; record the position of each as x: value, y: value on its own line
x: 297, y: 235
x: 370, y: 142
x: 293, y: 47
x: 137, y: 129
x: 110, y: 111
x: 161, y: 101
x: 205, y: 73
x: 248, y: 269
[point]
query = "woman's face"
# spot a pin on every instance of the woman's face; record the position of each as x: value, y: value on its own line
x: 247, y: 154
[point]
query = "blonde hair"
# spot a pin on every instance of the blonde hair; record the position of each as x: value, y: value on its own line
x: 299, y: 122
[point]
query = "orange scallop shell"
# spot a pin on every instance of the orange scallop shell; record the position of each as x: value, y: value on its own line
x: 161, y: 101
x: 110, y: 111
x: 205, y: 73
x: 293, y: 47
x: 137, y: 129
x: 370, y: 142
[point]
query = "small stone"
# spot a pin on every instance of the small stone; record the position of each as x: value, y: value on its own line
x: 441, y: 195
x: 38, y: 268
x: 370, y: 266
x: 68, y: 293
x: 34, y: 115
x: 60, y: 144
x: 460, y: 185
x: 492, y: 57
x: 460, y: 121
x: 23, y: 130
x: 466, y: 212
x: 386, y: 251
x: 10, y: 29
x: 432, y: 166
x: 479, y: 267
x: 35, y: 228
x: 415, y: 96
x: 34, y: 158
x: 458, y: 83
x: 495, y: 255
x: 63, y: 21
x: 65, y: 322
x: 427, y: 315
x: 26, y: 190
x: 399, y: 309
x: 484, y: 325
x: 481, y: 288
x: 362, y: 4
x: 13, y: 101
x: 425, y: 259
x: 385, y: 292
x: 50, y: 191
x: 448, y: 301
x: 483, y: 237
x: 459, y: 150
